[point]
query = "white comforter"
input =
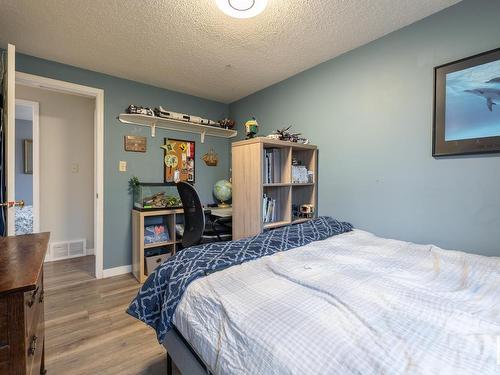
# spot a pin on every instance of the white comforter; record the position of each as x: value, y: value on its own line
x: 352, y: 304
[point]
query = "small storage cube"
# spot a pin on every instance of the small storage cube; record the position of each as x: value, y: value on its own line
x: 158, y: 229
x: 156, y: 233
x: 154, y: 258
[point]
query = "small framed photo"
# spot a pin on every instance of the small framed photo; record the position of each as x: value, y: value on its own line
x: 467, y: 106
x: 28, y: 156
x: 135, y: 143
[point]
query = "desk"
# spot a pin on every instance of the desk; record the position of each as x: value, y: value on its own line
x: 221, y: 223
x: 221, y: 211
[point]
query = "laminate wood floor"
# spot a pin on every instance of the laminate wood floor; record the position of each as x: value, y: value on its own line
x: 87, y: 329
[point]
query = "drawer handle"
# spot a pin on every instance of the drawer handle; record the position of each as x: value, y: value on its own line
x: 33, y: 297
x: 42, y: 295
x: 32, y: 348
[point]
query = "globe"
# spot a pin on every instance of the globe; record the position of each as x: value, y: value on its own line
x: 223, y: 192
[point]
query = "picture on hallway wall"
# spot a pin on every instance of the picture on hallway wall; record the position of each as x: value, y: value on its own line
x: 28, y: 156
x: 467, y: 106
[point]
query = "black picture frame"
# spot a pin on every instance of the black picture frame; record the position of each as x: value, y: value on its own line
x: 442, y: 147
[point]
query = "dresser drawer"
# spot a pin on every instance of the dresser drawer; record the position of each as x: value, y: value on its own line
x: 4, y: 323
x: 33, y: 302
x: 21, y: 303
x: 34, y: 342
x: 4, y: 337
x: 4, y: 359
x: 34, y: 327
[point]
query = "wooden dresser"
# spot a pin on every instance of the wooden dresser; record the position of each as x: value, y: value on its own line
x: 21, y: 304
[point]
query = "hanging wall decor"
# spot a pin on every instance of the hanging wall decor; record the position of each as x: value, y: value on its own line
x: 134, y: 143
x: 210, y: 158
x: 467, y: 106
x: 179, y: 160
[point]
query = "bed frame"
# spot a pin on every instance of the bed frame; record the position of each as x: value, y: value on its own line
x: 183, y: 355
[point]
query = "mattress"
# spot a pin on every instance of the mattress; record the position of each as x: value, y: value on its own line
x: 353, y: 303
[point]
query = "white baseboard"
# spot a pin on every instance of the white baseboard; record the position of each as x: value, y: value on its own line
x: 110, y: 272
x: 89, y: 252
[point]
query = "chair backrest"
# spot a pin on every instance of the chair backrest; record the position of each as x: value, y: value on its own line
x: 194, y: 216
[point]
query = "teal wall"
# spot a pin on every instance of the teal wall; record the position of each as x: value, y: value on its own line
x: 118, y: 94
x: 370, y: 113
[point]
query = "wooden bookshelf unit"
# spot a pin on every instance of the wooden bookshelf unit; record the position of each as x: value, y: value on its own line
x: 250, y: 184
x: 138, y: 246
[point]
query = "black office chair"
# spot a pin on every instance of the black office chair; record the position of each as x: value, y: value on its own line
x: 195, y: 229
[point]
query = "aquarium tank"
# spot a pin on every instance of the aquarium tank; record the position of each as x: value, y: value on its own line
x: 154, y: 196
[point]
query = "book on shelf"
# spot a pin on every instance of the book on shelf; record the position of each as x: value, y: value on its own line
x: 301, y: 175
x: 268, y: 209
x: 272, y: 166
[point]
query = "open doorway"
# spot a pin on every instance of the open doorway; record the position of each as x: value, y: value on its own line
x: 70, y: 180
x: 66, y: 169
x: 26, y: 165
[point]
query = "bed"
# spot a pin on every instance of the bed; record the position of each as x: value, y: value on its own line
x: 345, y: 303
x: 24, y: 220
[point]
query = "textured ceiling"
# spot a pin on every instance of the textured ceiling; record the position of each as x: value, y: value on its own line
x: 192, y: 47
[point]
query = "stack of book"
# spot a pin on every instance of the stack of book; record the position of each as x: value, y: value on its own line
x: 272, y: 166
x: 268, y: 209
x: 300, y: 175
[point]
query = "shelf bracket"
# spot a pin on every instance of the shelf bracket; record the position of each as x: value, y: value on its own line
x: 153, y: 130
x: 202, y: 134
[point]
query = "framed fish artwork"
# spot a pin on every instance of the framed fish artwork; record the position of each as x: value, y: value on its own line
x: 179, y: 160
x: 467, y: 106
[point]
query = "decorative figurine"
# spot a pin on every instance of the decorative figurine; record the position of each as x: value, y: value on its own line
x: 138, y: 110
x: 285, y: 135
x: 227, y: 123
x: 274, y: 136
x: 165, y: 113
x: 307, y: 211
x: 251, y: 128
x: 210, y: 158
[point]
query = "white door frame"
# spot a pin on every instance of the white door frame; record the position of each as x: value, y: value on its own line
x: 10, y: 173
x: 36, y: 160
x: 26, y: 79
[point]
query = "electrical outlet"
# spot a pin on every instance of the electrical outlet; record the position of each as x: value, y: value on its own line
x: 122, y: 166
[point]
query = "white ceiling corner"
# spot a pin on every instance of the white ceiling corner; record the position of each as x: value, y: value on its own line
x: 192, y: 47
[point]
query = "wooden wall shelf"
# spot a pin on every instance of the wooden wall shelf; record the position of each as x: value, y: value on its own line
x: 155, y: 122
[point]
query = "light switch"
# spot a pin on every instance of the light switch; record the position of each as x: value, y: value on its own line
x: 75, y: 168
x: 122, y: 166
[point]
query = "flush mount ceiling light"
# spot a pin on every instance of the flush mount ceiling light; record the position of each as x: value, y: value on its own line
x: 242, y: 8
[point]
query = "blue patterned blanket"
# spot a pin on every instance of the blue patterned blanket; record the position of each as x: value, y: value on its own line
x: 158, y: 298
